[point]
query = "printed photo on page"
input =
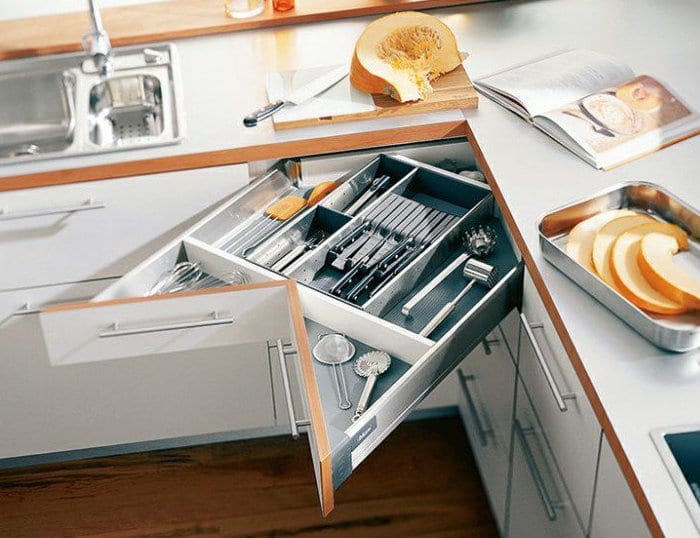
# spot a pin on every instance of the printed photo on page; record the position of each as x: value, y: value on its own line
x: 641, y: 110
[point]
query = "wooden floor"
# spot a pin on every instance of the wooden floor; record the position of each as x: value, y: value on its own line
x: 422, y: 481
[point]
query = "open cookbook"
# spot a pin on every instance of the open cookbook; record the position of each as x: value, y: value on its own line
x: 594, y: 105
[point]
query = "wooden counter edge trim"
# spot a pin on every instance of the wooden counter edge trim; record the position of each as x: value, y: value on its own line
x: 155, y: 25
x: 317, y: 421
x: 275, y: 150
x: 574, y: 357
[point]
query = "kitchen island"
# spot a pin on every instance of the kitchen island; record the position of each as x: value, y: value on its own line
x: 632, y: 386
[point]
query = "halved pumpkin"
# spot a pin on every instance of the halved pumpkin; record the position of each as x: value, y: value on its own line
x: 656, y: 264
x: 605, y: 238
x: 579, y: 244
x: 401, y: 54
x: 627, y: 273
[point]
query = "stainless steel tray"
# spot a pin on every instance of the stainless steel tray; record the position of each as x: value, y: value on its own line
x: 675, y: 333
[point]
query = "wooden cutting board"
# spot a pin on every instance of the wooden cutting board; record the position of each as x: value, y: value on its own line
x: 342, y: 103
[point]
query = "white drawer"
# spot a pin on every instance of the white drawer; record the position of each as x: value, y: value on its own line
x: 539, y: 502
x: 48, y: 409
x: 101, y: 229
x: 567, y: 417
x: 288, y: 320
x: 486, y: 406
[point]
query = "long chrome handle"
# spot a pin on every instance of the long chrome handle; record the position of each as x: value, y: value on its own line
x: 550, y: 506
x: 480, y: 429
x: 293, y: 423
x: 86, y: 206
x: 214, y: 320
x: 559, y: 397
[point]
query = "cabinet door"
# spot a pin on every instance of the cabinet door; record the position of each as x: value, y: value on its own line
x: 176, y: 394
x: 567, y: 417
x: 539, y: 504
x: 487, y: 379
x: 615, y: 512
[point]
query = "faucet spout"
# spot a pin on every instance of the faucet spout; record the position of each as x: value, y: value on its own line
x: 96, y: 43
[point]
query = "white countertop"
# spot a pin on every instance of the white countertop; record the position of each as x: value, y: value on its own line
x: 640, y: 386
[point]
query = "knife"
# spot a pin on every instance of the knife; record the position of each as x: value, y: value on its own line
x: 298, y: 96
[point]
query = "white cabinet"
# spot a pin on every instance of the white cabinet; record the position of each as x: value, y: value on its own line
x: 615, y: 511
x: 101, y: 229
x: 179, y: 394
x: 487, y: 380
x: 539, y: 504
x: 559, y: 399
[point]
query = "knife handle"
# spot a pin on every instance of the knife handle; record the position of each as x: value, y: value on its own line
x: 263, y: 113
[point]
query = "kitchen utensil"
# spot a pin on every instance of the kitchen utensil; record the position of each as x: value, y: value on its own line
x: 375, y: 187
x: 335, y: 350
x: 231, y: 278
x: 298, y: 96
x: 479, y: 241
x: 476, y: 271
x: 296, y: 252
x: 243, y: 9
x: 370, y: 365
x: 671, y: 332
x: 277, y: 214
x: 176, y: 278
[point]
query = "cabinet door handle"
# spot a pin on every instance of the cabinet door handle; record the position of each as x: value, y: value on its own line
x: 213, y: 320
x: 550, y: 506
x: 293, y: 422
x: 480, y: 429
x: 559, y: 397
x: 30, y: 213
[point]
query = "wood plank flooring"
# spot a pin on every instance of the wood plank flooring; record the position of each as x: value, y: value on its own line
x: 422, y: 481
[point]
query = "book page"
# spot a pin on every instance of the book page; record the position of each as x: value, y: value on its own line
x: 618, y: 123
x: 551, y: 82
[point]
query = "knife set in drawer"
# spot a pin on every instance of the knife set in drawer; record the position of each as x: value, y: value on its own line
x: 406, y: 266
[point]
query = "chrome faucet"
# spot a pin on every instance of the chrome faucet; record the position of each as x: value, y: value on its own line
x: 96, y: 43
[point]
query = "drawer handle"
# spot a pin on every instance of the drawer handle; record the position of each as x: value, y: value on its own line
x: 214, y: 320
x: 488, y: 342
x: 559, y: 397
x: 550, y: 506
x: 27, y: 308
x: 86, y: 206
x: 481, y: 430
x: 294, y: 424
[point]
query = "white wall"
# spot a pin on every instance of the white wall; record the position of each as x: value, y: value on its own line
x: 15, y: 9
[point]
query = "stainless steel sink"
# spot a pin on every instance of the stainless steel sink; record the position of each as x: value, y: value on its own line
x: 126, y: 110
x: 37, y: 113
x: 60, y: 105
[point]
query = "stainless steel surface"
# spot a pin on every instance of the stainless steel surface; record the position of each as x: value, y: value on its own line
x: 549, y: 504
x: 373, y: 188
x: 370, y: 365
x: 430, y: 286
x: 281, y: 355
x: 335, y: 350
x: 37, y: 112
x: 559, y: 397
x: 675, y: 333
x: 115, y: 330
x: 32, y: 213
x: 482, y: 431
x: 96, y: 43
x: 298, y: 96
x: 63, y: 105
x: 477, y: 272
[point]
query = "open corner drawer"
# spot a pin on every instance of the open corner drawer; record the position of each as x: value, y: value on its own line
x: 295, y: 290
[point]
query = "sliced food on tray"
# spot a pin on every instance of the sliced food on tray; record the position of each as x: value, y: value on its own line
x: 634, y: 254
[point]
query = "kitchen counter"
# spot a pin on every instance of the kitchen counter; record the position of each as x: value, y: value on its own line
x: 633, y: 385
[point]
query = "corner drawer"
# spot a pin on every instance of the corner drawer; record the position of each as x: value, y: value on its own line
x: 48, y: 409
x: 567, y: 417
x: 100, y: 229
